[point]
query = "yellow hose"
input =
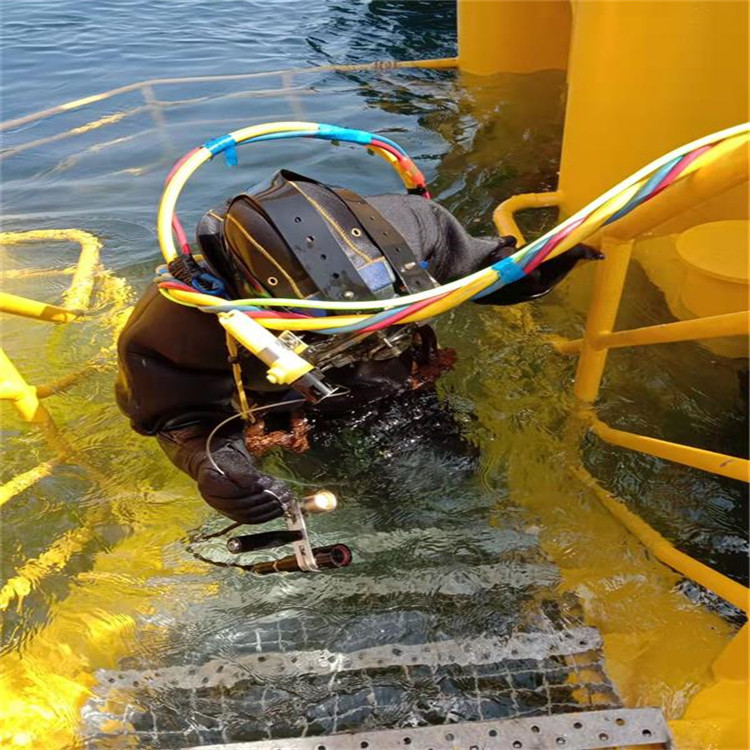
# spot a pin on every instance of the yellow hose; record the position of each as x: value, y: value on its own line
x: 591, y: 217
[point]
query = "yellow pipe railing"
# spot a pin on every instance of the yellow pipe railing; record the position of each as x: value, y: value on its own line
x: 698, y: 458
x: 504, y: 215
x: 715, y: 326
x: 26, y: 397
x: 609, y: 280
x: 78, y: 295
x: 26, y: 479
x: 31, y: 308
x: 729, y: 590
x: 13, y: 386
x: 146, y: 87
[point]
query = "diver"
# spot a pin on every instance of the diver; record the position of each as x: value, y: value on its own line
x: 180, y: 377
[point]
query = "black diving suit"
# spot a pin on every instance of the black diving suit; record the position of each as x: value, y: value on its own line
x: 176, y: 381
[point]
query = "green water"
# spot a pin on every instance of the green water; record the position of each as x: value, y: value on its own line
x: 447, y: 550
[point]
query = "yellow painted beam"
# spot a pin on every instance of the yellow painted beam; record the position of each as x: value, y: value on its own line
x: 716, y: 463
x: 729, y: 590
x: 513, y: 37
x: 30, y: 308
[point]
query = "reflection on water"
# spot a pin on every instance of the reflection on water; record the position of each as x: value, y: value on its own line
x: 457, y: 552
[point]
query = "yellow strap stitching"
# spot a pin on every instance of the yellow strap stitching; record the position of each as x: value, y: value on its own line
x: 265, y: 252
x: 332, y: 221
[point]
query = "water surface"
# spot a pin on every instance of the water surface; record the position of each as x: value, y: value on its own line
x: 452, y: 547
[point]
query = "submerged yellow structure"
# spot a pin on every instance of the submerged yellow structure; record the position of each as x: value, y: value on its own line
x: 643, y: 77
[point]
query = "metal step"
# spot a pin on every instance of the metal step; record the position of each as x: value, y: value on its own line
x: 463, y: 652
x: 322, y: 693
x: 587, y: 730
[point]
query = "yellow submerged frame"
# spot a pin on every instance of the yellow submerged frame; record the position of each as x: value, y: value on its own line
x: 592, y: 347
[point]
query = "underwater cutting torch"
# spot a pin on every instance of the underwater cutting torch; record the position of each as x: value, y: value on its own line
x: 306, y: 558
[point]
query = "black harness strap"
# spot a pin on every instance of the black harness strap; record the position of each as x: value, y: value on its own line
x: 313, y: 243
x: 391, y: 243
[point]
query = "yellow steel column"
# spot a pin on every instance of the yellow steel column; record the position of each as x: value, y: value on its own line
x: 501, y: 36
x: 717, y: 715
x: 643, y: 78
x: 608, y: 285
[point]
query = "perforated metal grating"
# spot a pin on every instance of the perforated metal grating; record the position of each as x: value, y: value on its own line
x: 581, y: 731
x: 320, y: 692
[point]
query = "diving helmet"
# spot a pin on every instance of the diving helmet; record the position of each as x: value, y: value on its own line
x: 294, y: 237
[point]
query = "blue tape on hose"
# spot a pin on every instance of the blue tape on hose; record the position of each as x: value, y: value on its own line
x: 508, y: 270
x: 335, y: 133
x: 217, y: 145
x: 230, y: 156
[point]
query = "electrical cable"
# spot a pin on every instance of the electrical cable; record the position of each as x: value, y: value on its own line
x: 609, y: 207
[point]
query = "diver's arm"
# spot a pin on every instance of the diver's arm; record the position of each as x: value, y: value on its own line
x: 175, y: 383
x: 436, y: 236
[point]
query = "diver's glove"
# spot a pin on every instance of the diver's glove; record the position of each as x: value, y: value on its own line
x: 542, y: 279
x: 506, y: 245
x: 230, y: 483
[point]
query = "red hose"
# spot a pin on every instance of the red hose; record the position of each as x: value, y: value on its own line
x: 403, y: 314
x: 553, y: 243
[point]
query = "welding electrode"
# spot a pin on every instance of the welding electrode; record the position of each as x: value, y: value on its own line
x: 335, y: 556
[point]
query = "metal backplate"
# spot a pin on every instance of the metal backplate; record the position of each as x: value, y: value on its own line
x: 586, y: 730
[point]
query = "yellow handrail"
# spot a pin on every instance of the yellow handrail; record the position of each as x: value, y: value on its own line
x: 434, y: 63
x: 729, y: 590
x: 13, y: 386
x: 616, y: 243
x: 504, y: 215
x: 31, y: 308
x: 715, y: 463
x: 714, y: 326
